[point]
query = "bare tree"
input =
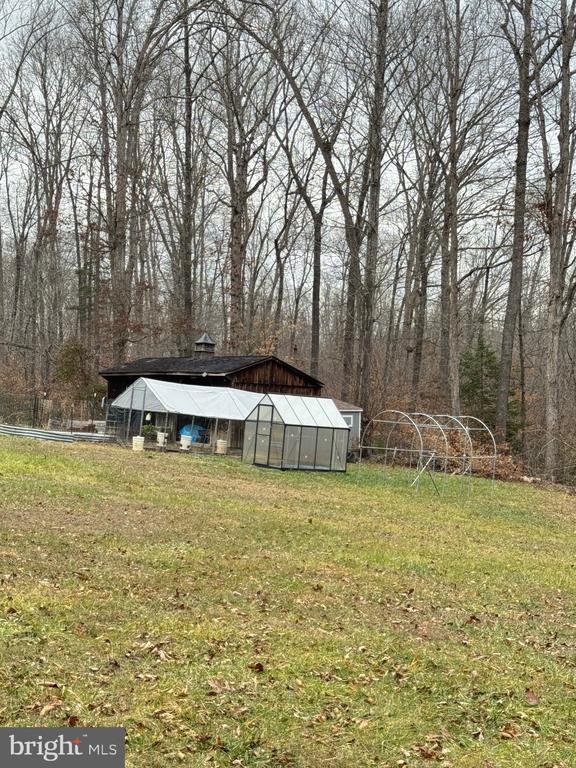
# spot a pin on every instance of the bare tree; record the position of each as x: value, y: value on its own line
x: 531, y: 51
x: 558, y: 211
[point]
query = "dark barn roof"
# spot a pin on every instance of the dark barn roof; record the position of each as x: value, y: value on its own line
x: 225, y: 364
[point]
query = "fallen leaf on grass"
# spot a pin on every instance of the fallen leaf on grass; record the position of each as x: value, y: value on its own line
x: 432, y: 750
x: 157, y: 649
x: 531, y: 697
x: 47, y: 708
x: 509, y: 731
x: 257, y: 666
x: 111, y: 667
x: 81, y: 575
x: 218, y: 687
x: 163, y: 714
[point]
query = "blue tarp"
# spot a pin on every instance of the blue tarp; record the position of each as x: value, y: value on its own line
x: 193, y: 430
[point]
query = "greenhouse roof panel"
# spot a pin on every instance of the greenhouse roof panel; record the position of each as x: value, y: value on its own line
x: 188, y: 399
x: 308, y: 411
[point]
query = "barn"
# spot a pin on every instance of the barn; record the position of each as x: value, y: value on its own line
x: 253, y: 373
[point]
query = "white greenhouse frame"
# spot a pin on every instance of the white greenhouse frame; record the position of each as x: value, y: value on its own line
x: 429, y: 443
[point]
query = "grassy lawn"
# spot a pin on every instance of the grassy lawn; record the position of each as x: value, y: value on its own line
x: 231, y: 616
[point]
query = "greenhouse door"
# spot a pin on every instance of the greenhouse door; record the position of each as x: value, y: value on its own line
x: 262, y: 446
x: 263, y: 429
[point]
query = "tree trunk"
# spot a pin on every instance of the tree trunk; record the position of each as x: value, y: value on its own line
x: 374, y: 171
x: 515, y: 283
x: 3, y: 329
x: 552, y: 393
x: 316, y: 283
x: 454, y: 330
x: 187, y: 320
x: 422, y: 259
x: 521, y: 354
x: 444, y: 356
x: 237, y: 340
x: 391, y: 334
x: 352, y: 291
x: 559, y: 207
x: 120, y: 298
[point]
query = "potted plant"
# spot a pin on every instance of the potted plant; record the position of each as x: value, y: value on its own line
x: 149, y: 432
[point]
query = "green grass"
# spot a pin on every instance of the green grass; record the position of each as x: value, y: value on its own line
x: 231, y: 616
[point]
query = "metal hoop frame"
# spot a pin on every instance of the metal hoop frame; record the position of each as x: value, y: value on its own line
x: 430, y: 447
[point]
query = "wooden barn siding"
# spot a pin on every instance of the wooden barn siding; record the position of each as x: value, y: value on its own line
x: 269, y: 376
x: 272, y: 377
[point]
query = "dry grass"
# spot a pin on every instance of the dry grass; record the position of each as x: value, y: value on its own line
x: 230, y: 616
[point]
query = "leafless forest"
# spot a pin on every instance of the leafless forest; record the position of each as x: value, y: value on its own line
x: 380, y: 191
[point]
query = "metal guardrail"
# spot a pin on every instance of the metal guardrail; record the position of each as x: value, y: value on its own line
x: 40, y: 434
x: 47, y: 434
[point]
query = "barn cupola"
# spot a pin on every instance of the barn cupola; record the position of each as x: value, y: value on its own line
x: 204, y: 346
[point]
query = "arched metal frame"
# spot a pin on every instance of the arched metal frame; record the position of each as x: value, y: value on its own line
x: 438, y: 443
x: 455, y: 424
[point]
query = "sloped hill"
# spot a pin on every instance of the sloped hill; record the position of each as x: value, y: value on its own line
x: 231, y: 616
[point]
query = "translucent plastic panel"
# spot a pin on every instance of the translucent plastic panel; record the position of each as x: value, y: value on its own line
x: 254, y: 415
x: 262, y: 447
x: 324, y: 449
x: 285, y: 410
x: 264, y: 427
x: 308, y: 448
x: 339, y: 449
x: 307, y: 411
x: 291, y: 447
x: 249, y: 441
x: 318, y: 416
x: 276, y: 445
x: 265, y: 413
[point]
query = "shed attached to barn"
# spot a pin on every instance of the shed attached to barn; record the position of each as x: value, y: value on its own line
x: 352, y: 415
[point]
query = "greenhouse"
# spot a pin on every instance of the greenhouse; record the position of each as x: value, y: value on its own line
x: 175, y: 410
x: 291, y: 432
